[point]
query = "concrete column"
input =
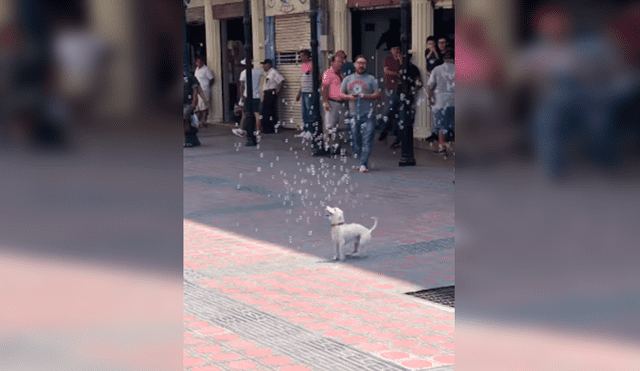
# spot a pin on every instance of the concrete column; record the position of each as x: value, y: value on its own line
x: 258, y: 27
x: 341, y: 27
x: 6, y: 12
x: 421, y: 10
x: 115, y: 22
x: 214, y: 62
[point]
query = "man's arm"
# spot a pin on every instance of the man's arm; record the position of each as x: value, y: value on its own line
x: 241, y: 90
x: 325, y: 97
x: 387, y: 71
x: 194, y: 103
x: 374, y: 96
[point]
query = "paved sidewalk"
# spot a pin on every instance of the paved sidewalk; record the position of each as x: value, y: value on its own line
x: 261, y: 292
x: 251, y: 305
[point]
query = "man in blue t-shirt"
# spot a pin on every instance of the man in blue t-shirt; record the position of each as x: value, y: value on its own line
x: 361, y: 91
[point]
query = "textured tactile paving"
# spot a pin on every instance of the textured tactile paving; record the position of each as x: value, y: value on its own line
x: 293, y: 341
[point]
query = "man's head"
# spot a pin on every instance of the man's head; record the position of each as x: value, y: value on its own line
x: 442, y: 44
x: 361, y: 64
x: 431, y: 43
x: 199, y: 62
x: 448, y: 54
x: 336, y: 63
x: 395, y: 52
x: 267, y: 64
x: 305, y: 56
x: 342, y: 54
x: 553, y: 22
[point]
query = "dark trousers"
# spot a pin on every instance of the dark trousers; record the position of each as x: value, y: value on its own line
x: 190, y: 134
x: 269, y: 111
x: 393, y: 116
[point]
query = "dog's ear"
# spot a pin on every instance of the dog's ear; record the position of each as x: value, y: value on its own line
x: 329, y: 209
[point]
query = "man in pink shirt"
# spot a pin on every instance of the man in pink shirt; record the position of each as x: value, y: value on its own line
x: 332, y: 103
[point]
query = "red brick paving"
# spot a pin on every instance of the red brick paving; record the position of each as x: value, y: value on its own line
x: 362, y: 313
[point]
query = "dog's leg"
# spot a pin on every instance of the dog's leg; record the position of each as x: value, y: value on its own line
x: 356, y: 245
x: 337, y: 255
x: 341, y: 252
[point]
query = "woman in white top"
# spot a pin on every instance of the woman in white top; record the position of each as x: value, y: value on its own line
x: 205, y: 78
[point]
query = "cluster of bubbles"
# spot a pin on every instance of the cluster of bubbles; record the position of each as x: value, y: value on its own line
x: 322, y: 181
x: 312, y: 184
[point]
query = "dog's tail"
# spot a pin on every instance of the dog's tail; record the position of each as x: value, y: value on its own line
x: 375, y: 224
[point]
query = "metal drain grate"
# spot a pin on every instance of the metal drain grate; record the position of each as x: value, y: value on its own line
x: 441, y: 295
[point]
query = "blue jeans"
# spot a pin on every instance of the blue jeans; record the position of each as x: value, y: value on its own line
x: 567, y: 114
x: 444, y: 120
x: 309, y: 115
x: 363, y: 130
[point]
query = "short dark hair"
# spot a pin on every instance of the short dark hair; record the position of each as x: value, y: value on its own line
x: 448, y: 53
x: 445, y: 39
x: 307, y: 52
x: 431, y: 38
x: 360, y: 56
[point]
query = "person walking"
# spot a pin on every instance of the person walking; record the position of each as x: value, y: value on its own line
x: 410, y: 82
x: 272, y: 86
x: 441, y: 83
x: 190, y: 101
x: 333, y: 106
x: 309, y: 113
x: 206, y: 79
x: 256, y: 73
x: 389, y: 121
x: 361, y: 91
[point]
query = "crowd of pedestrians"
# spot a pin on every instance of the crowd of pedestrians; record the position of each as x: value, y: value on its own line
x: 349, y: 99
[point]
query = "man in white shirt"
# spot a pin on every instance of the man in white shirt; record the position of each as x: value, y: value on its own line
x: 272, y: 86
x: 442, y: 84
x: 205, y: 78
x: 256, y: 73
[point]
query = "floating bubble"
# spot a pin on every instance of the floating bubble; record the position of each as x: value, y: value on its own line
x: 259, y: 169
x: 261, y: 155
x: 309, y: 233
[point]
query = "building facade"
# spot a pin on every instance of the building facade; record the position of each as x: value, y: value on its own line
x: 282, y: 27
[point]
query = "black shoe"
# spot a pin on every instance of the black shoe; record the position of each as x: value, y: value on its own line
x: 395, y: 144
x: 383, y: 136
x: 321, y: 153
x: 432, y: 138
x: 251, y: 143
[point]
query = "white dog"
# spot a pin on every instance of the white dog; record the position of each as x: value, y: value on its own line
x: 342, y: 234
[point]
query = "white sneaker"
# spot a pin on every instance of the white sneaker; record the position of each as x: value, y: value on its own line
x: 239, y: 132
x: 363, y: 169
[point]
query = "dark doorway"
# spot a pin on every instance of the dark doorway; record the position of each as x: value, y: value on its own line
x: 196, y: 38
x: 232, y: 54
x: 444, y: 24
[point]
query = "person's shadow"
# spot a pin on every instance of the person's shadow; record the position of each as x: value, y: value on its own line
x: 391, y: 37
